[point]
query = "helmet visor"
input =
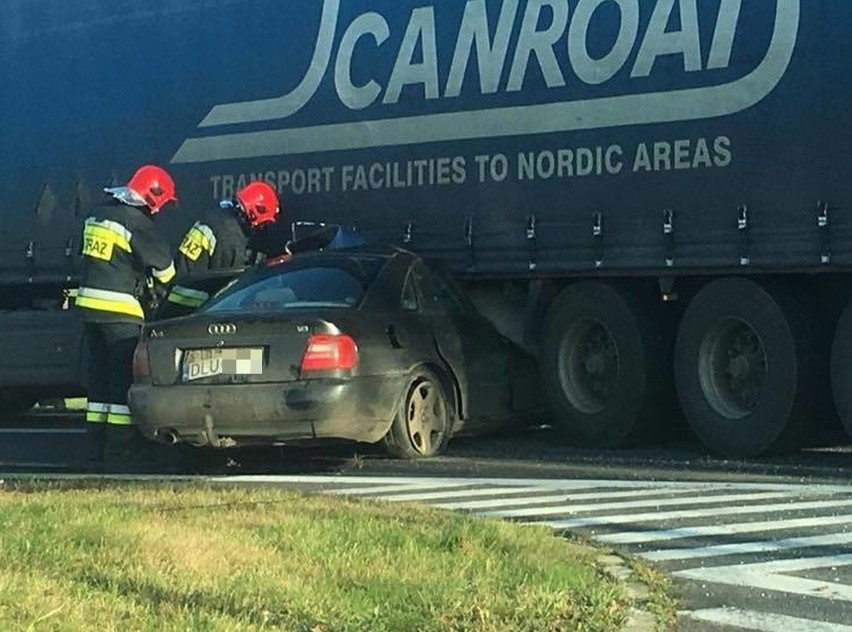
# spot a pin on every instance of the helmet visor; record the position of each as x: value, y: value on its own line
x: 126, y: 196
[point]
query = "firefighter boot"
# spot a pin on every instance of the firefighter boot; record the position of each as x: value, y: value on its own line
x: 95, y: 444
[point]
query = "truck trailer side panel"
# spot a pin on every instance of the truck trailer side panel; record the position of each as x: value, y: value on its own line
x: 519, y: 140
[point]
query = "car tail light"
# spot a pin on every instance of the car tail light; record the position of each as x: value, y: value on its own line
x: 141, y: 362
x: 330, y: 353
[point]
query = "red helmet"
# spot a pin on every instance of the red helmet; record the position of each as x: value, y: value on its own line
x: 259, y: 202
x: 154, y: 186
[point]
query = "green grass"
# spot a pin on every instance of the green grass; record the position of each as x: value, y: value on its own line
x: 163, y: 557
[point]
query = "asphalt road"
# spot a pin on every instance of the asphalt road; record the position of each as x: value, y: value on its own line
x: 750, y: 545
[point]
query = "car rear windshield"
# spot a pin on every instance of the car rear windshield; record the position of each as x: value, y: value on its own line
x: 322, y: 283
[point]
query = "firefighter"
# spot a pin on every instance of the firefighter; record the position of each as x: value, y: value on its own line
x: 122, y: 254
x: 225, y: 239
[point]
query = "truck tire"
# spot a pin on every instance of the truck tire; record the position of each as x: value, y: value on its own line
x: 841, y: 369
x: 606, y: 364
x: 747, y: 368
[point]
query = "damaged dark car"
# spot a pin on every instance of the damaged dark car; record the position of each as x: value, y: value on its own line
x: 365, y: 344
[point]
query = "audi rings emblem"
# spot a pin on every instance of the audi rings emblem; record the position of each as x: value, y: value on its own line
x: 220, y: 329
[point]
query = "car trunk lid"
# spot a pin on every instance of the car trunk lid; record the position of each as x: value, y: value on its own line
x: 233, y: 351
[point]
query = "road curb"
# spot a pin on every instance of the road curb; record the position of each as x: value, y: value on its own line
x: 640, y: 619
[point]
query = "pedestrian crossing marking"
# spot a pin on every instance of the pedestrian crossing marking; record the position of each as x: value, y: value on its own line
x: 384, y: 489
x: 770, y: 576
x: 564, y: 497
x: 639, y: 537
x: 762, y: 621
x: 747, y: 548
x: 637, y: 504
x: 713, y: 512
x: 468, y: 493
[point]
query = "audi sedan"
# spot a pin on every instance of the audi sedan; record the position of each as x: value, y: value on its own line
x: 367, y: 344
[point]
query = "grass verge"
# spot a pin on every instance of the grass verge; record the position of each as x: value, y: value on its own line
x: 164, y: 557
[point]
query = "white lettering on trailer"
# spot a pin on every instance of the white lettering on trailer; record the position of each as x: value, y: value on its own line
x: 673, y: 31
x: 596, y: 71
x: 298, y: 181
x: 358, y: 97
x: 683, y: 154
x: 491, y: 56
x: 420, y: 34
x: 660, y: 41
x: 443, y: 171
x: 539, y: 44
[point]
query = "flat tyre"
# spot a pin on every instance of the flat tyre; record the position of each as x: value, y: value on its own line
x: 422, y: 424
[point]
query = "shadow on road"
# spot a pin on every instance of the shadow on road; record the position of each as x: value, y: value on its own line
x: 56, y: 443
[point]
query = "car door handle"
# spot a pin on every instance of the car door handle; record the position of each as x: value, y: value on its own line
x: 392, y: 337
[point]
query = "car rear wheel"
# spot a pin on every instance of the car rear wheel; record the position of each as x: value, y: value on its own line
x: 747, y: 368
x: 421, y: 426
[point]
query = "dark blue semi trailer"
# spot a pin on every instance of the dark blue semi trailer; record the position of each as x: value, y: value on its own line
x: 653, y: 195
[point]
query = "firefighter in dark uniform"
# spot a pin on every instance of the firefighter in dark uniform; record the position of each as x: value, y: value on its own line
x: 122, y: 254
x: 226, y: 238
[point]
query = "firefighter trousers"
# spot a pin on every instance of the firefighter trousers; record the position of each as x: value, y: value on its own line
x: 111, y: 347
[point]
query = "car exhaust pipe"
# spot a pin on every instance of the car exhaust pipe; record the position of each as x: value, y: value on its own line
x: 169, y: 437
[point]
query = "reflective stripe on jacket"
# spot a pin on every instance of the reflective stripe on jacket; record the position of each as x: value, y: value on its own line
x: 219, y: 241
x: 106, y: 301
x: 121, y: 250
x: 187, y: 296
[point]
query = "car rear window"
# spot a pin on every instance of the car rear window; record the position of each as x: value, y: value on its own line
x: 324, y: 283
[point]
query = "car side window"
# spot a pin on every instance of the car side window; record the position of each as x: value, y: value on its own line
x: 438, y: 293
x: 437, y: 284
x: 409, y: 302
x: 450, y: 292
x: 430, y: 298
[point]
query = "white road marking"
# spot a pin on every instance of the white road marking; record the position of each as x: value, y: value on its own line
x: 638, y: 537
x: 384, y: 489
x: 747, y: 548
x: 768, y: 576
x: 565, y: 497
x: 670, y: 502
x: 762, y: 621
x: 466, y: 493
x: 437, y: 482
x: 547, y: 483
x: 712, y: 512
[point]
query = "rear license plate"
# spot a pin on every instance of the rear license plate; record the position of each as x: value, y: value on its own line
x: 199, y: 364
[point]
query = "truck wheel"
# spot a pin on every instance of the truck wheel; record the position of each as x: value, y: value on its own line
x: 746, y: 368
x: 606, y: 362
x: 421, y: 427
x: 841, y: 369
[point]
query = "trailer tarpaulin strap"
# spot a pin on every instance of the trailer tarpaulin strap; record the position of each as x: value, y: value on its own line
x: 96, y: 413
x: 106, y: 301
x: 187, y: 297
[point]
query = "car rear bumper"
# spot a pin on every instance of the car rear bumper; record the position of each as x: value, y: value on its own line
x: 228, y: 415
